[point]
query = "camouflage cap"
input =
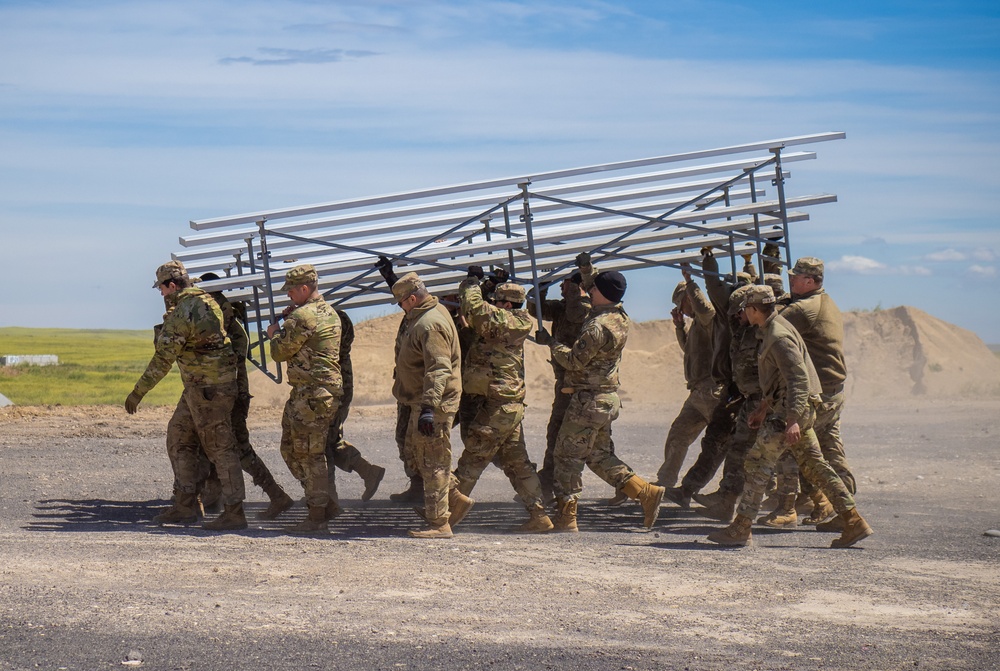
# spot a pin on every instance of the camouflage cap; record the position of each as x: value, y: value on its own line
x: 509, y: 291
x: 774, y: 281
x: 299, y: 275
x: 743, y: 279
x: 679, y: 292
x: 736, y: 299
x: 809, y: 266
x: 171, y: 270
x: 757, y: 294
x: 406, y: 285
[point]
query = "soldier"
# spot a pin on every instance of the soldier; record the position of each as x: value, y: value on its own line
x: 585, y: 435
x: 427, y: 386
x: 309, y: 343
x: 567, y: 315
x: 251, y: 463
x: 697, y: 343
x: 789, y: 394
x: 194, y: 336
x: 493, y: 383
x: 339, y: 452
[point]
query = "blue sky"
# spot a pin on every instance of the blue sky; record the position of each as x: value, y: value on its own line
x: 120, y: 122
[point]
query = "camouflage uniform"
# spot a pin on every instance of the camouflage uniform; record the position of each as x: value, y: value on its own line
x: 592, y: 373
x: 493, y: 379
x: 790, y: 387
x: 193, y: 334
x: 427, y: 375
x: 697, y: 342
x: 309, y: 343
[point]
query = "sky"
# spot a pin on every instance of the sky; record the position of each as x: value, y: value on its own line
x: 122, y: 121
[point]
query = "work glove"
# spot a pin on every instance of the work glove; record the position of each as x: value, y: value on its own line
x: 132, y: 402
x: 477, y: 272
x: 384, y: 266
x: 500, y: 275
x: 425, y: 423
x: 582, y: 260
x: 543, y: 337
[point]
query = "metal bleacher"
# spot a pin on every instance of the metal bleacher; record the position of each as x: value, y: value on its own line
x: 658, y: 211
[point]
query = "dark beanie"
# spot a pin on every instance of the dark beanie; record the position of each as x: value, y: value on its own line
x: 611, y: 284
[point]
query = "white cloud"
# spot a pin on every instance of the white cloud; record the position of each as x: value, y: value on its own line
x: 983, y: 271
x: 983, y: 254
x: 857, y: 264
x: 919, y: 271
x: 945, y: 255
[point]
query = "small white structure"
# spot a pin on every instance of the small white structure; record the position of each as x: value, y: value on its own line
x: 29, y: 360
x: 4, y: 401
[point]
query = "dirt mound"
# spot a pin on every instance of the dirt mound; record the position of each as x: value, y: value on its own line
x: 890, y: 353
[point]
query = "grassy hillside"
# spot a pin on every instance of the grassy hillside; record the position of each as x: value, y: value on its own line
x: 95, y: 367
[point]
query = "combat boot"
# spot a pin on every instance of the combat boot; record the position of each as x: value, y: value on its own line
x: 708, y: 500
x: 619, y: 498
x: 834, y: 526
x: 736, y: 534
x: 412, y: 494
x: 432, y: 531
x: 855, y: 529
x: 280, y: 502
x: 723, y: 511
x: 459, y: 506
x: 211, y: 495
x: 566, y: 517
x: 783, y: 515
x: 803, y: 505
x: 231, y: 519
x: 650, y: 496
x: 372, y: 476
x: 679, y: 496
x: 332, y: 509
x: 315, y: 522
x: 184, y: 510
x: 538, y: 524
x: 822, y: 509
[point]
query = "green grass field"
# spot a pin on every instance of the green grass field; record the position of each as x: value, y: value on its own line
x: 95, y: 367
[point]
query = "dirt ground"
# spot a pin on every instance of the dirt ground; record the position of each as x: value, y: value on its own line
x: 87, y: 582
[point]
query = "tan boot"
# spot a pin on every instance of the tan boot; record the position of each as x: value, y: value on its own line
x: 433, y: 531
x: 650, y: 496
x: 736, y: 534
x: 280, y: 502
x: 372, y: 476
x: 822, y: 509
x: 412, y: 494
x: 538, y: 524
x: 315, y: 522
x: 855, y: 529
x: 708, y: 500
x: 723, y: 511
x: 803, y: 505
x: 679, y: 496
x: 459, y: 506
x: 619, y: 498
x: 231, y: 519
x: 184, y: 510
x: 834, y: 526
x: 566, y: 519
x: 783, y: 515
x: 333, y: 509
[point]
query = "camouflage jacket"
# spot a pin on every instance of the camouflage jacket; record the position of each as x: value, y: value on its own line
x: 593, y: 361
x: 346, y: 342
x: 494, y: 365
x: 193, y: 335
x: 428, y: 370
x: 788, y: 380
x: 567, y: 315
x: 238, y: 336
x: 817, y: 318
x: 697, y: 341
x: 743, y: 353
x: 718, y: 292
x: 309, y: 343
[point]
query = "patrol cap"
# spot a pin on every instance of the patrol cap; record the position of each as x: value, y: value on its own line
x: 611, y: 284
x: 509, y: 291
x: 679, y: 292
x: 406, y: 285
x: 757, y: 294
x: 774, y: 281
x: 171, y: 270
x: 299, y: 275
x: 808, y: 266
x: 736, y: 299
x: 743, y: 279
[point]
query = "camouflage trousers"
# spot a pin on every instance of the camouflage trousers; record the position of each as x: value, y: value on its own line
x: 694, y: 416
x: 714, y: 445
x: 402, y: 429
x: 493, y: 434
x: 585, y: 439
x: 828, y: 432
x: 737, y: 447
x: 304, y: 426
x: 769, y: 446
x: 429, y: 457
x: 341, y: 453
x: 203, y: 421
x: 560, y: 402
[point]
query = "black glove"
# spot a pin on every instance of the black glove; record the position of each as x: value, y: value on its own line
x: 543, y: 337
x: 425, y: 423
x: 500, y: 275
x: 477, y: 272
x: 132, y: 403
x: 384, y: 266
x: 582, y: 259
